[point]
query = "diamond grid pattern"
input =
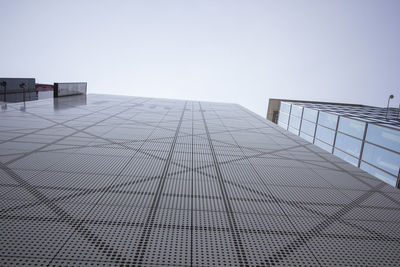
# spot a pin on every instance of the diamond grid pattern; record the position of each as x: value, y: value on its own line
x: 130, y: 181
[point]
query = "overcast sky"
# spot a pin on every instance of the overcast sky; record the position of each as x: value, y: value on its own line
x: 227, y: 51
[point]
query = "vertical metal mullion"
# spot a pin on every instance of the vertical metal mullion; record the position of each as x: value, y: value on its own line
x: 290, y: 113
x: 315, y: 130
x: 301, y: 120
x: 336, y: 130
x: 362, y: 145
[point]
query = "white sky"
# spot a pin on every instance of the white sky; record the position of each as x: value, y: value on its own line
x: 228, y: 51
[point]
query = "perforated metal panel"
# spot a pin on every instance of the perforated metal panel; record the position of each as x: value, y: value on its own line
x: 128, y: 181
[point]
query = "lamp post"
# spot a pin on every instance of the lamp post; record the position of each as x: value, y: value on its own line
x: 4, y: 85
x: 387, y: 108
x: 22, y: 86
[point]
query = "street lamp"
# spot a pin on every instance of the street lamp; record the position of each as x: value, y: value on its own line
x: 387, y: 108
x: 22, y: 86
x: 4, y: 85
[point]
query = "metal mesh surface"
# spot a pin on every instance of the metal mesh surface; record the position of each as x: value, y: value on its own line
x: 129, y: 181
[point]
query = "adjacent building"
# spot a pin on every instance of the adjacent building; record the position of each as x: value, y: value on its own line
x: 367, y: 137
x: 17, y: 90
x: 14, y: 90
x: 110, y: 180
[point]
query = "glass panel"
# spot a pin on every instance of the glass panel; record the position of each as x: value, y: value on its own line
x: 308, y: 127
x: 281, y: 124
x: 293, y: 130
x: 384, y: 137
x: 310, y: 114
x: 348, y: 144
x: 283, y: 118
x: 345, y: 157
x: 285, y: 107
x: 297, y: 110
x: 387, y: 178
x: 294, y: 122
x: 323, y: 146
x: 352, y: 127
x: 325, y: 134
x: 381, y: 158
x: 328, y: 120
x: 306, y: 137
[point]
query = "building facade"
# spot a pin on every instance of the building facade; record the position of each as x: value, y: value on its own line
x: 13, y: 90
x: 17, y: 90
x: 367, y: 137
x: 131, y: 181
